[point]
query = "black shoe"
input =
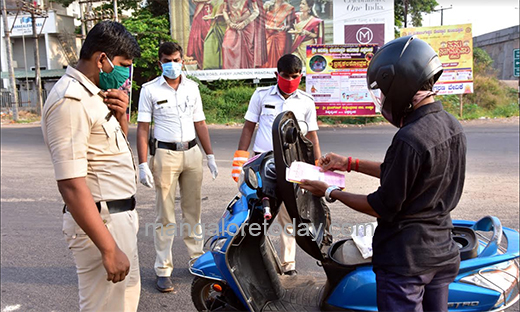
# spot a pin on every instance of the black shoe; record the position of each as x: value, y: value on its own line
x: 291, y: 272
x: 164, y: 284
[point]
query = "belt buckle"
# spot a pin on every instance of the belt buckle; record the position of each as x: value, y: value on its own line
x: 179, y: 146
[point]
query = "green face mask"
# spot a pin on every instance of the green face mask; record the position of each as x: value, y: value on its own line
x: 114, y: 79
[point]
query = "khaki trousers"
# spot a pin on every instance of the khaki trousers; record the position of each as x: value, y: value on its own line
x: 95, y: 292
x: 170, y: 167
x: 287, y: 240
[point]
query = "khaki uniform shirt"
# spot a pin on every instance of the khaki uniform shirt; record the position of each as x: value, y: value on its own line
x: 83, y: 142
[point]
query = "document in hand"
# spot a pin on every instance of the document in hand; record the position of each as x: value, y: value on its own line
x: 299, y: 171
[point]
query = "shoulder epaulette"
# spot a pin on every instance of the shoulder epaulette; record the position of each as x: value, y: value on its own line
x: 150, y: 82
x: 74, y: 90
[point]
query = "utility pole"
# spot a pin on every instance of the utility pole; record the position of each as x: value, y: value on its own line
x: 37, y: 73
x: 82, y: 17
x: 116, y: 19
x: 35, y: 12
x: 9, y: 48
x: 442, y: 12
x: 405, y: 12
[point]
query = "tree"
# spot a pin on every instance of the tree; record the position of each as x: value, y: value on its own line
x: 150, y: 31
x: 415, y: 9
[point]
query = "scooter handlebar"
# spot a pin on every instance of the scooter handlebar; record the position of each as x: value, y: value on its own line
x: 266, y: 208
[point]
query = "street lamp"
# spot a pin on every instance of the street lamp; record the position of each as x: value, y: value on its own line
x: 442, y: 12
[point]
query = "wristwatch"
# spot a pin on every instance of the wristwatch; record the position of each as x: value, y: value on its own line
x: 329, y: 190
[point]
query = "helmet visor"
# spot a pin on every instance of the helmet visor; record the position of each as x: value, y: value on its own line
x: 378, y: 97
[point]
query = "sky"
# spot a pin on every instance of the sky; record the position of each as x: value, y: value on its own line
x: 485, y: 15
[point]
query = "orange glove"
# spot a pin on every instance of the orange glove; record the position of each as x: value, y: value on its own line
x: 239, y: 159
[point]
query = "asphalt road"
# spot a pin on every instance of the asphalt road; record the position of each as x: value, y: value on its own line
x: 37, y: 269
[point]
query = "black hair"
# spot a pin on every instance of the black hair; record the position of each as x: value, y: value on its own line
x: 428, y: 85
x: 310, y: 4
x: 113, y: 39
x: 168, y: 48
x: 290, y: 64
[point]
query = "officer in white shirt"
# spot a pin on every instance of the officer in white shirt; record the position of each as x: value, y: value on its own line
x: 265, y: 104
x: 173, y: 102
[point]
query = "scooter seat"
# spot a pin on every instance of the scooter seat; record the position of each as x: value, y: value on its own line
x: 345, y: 252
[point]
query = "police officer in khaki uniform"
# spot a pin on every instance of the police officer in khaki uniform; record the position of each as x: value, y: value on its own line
x: 84, y: 126
x: 174, y: 103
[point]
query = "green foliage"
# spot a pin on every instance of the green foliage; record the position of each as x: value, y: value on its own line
x: 489, y: 93
x: 64, y: 3
x: 482, y: 62
x: 490, y: 97
x: 150, y: 31
x: 226, y: 105
x: 415, y: 10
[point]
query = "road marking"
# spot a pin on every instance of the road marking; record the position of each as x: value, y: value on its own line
x: 11, y: 308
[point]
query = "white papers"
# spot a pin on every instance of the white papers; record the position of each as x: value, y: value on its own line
x: 299, y: 171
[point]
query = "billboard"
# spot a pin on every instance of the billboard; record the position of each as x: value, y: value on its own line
x: 241, y: 39
x: 358, y: 14
x: 336, y: 78
x: 454, y: 45
x: 21, y: 24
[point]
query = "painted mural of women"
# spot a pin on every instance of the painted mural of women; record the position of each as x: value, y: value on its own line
x: 199, y: 31
x: 279, y: 17
x: 213, y: 41
x: 244, y: 43
x: 308, y: 29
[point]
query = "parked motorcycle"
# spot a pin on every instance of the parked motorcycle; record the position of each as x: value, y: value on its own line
x: 242, y: 271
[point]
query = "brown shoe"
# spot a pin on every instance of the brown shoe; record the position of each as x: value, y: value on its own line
x: 164, y: 284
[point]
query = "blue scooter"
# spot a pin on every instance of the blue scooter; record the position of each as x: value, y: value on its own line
x: 241, y: 272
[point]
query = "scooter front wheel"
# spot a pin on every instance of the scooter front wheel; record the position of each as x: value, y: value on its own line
x: 205, y: 294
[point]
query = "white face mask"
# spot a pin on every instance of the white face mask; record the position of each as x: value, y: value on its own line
x: 171, y: 70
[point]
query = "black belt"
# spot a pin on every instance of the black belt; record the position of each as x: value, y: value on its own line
x: 177, y: 146
x: 115, y: 206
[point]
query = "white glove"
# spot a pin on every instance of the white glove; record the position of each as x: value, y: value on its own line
x: 145, y: 175
x: 212, y: 165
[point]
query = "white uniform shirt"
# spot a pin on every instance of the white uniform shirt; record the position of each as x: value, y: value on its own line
x: 267, y: 102
x: 174, y: 112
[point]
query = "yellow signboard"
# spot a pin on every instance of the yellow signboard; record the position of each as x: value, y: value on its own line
x: 454, y: 45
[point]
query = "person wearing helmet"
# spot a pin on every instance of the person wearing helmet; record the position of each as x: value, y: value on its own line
x: 421, y: 181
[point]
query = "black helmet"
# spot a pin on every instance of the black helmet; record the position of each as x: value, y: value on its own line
x: 397, y: 71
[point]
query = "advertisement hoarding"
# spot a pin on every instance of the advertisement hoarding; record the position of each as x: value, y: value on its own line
x: 454, y: 45
x: 243, y: 39
x: 336, y: 78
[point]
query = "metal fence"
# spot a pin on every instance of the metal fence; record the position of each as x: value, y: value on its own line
x: 27, y: 100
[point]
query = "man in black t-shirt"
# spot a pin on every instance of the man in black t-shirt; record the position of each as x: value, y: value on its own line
x: 422, y: 176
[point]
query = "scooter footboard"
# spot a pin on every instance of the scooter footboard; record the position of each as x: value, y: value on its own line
x: 252, y: 265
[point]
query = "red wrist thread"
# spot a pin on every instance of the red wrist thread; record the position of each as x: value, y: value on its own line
x: 349, y: 164
x: 357, y: 165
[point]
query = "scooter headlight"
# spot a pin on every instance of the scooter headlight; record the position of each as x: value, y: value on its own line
x: 218, y: 244
x: 502, y: 278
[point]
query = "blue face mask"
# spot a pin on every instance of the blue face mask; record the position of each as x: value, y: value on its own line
x: 114, y: 79
x: 171, y: 70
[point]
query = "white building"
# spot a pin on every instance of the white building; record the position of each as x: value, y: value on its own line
x: 58, y: 44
